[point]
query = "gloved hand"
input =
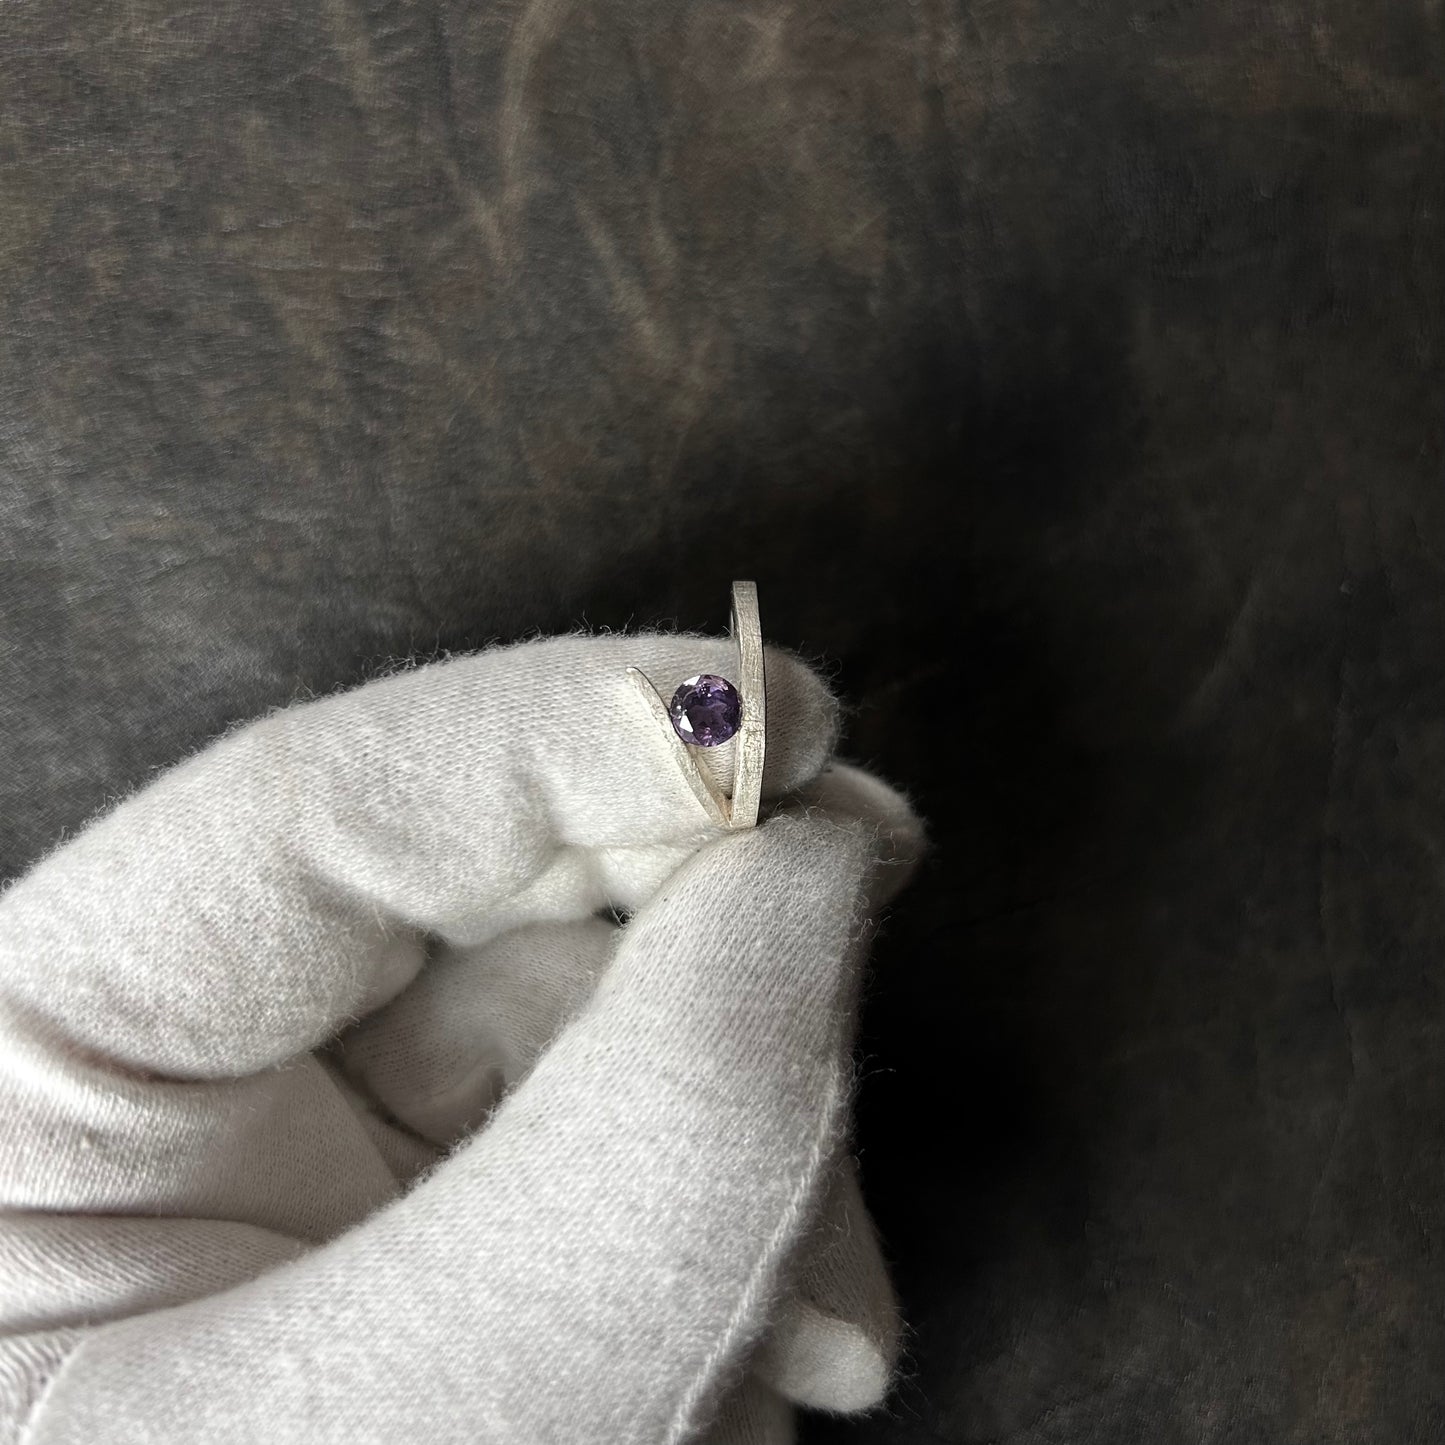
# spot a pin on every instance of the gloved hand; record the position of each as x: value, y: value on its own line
x: 332, y: 1110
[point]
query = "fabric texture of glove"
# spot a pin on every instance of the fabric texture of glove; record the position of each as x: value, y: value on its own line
x: 332, y: 1108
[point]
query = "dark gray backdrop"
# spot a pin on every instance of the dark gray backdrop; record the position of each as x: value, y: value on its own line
x: 1070, y: 378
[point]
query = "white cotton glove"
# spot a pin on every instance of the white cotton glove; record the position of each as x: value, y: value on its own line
x: 330, y: 1110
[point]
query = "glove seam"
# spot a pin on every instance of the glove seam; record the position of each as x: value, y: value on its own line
x: 32, y: 1422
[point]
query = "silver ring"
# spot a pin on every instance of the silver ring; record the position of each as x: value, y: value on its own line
x: 707, y: 710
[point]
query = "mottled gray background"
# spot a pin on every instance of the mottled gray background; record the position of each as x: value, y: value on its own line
x: 1069, y: 376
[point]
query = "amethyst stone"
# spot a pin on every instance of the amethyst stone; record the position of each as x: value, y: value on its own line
x: 706, y: 710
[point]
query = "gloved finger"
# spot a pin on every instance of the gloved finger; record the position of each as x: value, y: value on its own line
x: 618, y: 1230
x: 229, y: 916
x: 836, y: 1337
x: 469, y: 1026
x: 441, y: 1054
x: 835, y: 1341
x: 844, y: 791
x: 754, y: 1414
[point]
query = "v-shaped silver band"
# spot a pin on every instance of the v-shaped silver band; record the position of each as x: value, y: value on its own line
x: 741, y: 809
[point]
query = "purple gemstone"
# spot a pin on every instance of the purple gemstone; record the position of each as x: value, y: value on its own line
x: 706, y: 710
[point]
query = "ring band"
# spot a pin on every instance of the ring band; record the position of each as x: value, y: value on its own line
x: 741, y: 810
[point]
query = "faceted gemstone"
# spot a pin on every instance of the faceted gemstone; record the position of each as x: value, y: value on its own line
x: 706, y: 710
